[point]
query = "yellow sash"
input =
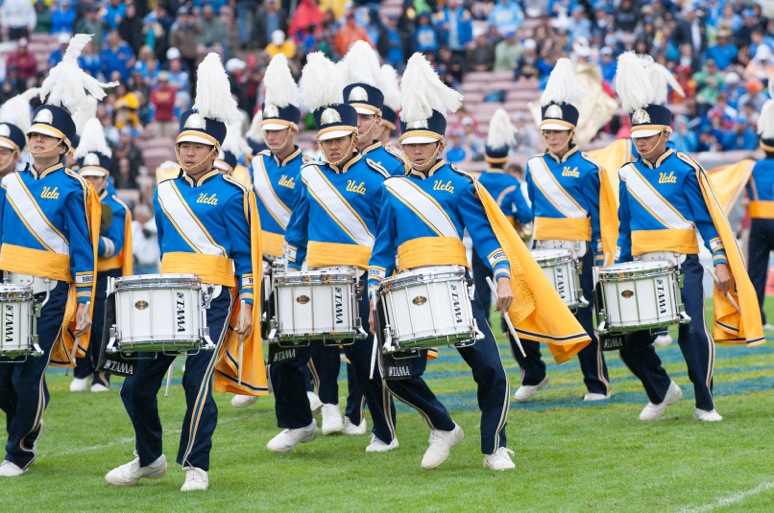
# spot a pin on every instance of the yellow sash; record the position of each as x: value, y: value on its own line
x: 729, y: 181
x: 426, y: 251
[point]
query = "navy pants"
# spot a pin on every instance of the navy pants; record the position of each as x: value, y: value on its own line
x: 483, y: 358
x: 761, y: 244
x: 695, y: 343
x: 482, y: 293
x: 23, y: 391
x: 592, y: 362
x: 325, y: 365
x: 139, y: 395
x: 86, y: 366
x: 289, y: 384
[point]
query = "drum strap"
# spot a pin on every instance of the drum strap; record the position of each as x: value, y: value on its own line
x: 553, y: 191
x: 33, y: 216
x: 189, y: 226
x: 423, y: 206
x: 265, y: 191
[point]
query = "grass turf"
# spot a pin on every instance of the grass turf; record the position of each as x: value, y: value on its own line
x: 570, y: 456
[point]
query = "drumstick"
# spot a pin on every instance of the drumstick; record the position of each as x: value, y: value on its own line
x: 507, y: 319
x: 731, y: 300
x: 169, y: 379
x: 241, y: 339
x: 78, y: 340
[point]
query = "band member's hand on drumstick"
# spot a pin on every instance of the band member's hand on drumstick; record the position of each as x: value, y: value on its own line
x: 723, y: 278
x: 504, y: 294
x: 83, y: 321
x: 246, y: 325
x: 371, y: 326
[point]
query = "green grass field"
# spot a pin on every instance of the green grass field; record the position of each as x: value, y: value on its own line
x: 570, y: 456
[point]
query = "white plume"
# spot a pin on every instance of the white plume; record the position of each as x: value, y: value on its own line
x: 562, y: 86
x: 632, y: 83
x: 319, y: 87
x: 766, y: 120
x: 17, y: 111
x: 281, y: 88
x: 213, y: 91
x: 235, y: 141
x: 360, y: 65
x: 390, y: 88
x: 67, y: 85
x: 422, y: 91
x: 87, y: 111
x: 92, y: 140
x: 501, y: 131
x: 255, y: 132
x: 661, y: 79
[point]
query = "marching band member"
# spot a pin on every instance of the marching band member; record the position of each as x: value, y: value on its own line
x: 391, y: 90
x: 50, y: 222
x: 15, y: 117
x: 206, y: 222
x: 423, y: 216
x: 114, y: 254
x: 234, y: 151
x: 505, y: 188
x: 664, y: 197
x: 335, y: 208
x: 255, y: 135
x: 564, y: 187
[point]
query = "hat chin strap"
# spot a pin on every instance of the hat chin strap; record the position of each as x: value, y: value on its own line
x: 195, y: 167
x: 274, y: 149
x: 430, y: 162
x: 377, y: 122
x: 8, y: 166
x: 564, y: 147
x: 351, y: 148
x: 647, y: 154
x: 47, y: 151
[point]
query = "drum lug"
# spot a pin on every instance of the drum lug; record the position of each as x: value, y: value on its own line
x: 583, y: 302
x: 207, y: 298
x: 111, y: 345
x: 361, y: 333
x: 602, y: 325
x: 684, y: 318
x: 36, y: 350
x: 208, y: 345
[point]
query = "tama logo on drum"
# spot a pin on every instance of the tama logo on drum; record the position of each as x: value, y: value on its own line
x: 9, y: 328
x: 338, y: 305
x: 401, y: 371
x: 661, y: 296
x: 561, y: 285
x: 180, y: 316
x: 456, y: 303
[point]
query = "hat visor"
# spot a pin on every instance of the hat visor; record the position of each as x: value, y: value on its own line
x: 92, y: 171
x: 335, y: 134
x: 273, y: 127
x: 548, y: 125
x: 7, y: 143
x: 365, y: 111
x: 46, y: 130
x: 648, y: 132
x: 418, y: 139
x: 192, y: 138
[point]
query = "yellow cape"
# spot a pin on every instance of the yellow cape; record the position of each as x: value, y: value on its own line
x: 728, y: 182
x: 538, y: 312
x: 254, y: 381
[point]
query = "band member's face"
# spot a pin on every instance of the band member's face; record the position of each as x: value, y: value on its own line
x: 337, y: 149
x: 97, y: 181
x: 278, y: 140
x: 650, y: 145
x: 421, y: 155
x: 192, y: 154
x: 39, y: 143
x: 365, y: 126
x: 556, y: 139
x: 8, y: 159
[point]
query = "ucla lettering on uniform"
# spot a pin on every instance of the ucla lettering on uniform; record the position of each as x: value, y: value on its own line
x: 290, y: 183
x: 572, y: 172
x: 667, y: 178
x: 353, y: 187
x: 212, y: 199
x: 49, y: 193
x: 439, y: 185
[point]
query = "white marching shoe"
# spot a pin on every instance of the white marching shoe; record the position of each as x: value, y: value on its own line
x: 499, y: 460
x: 243, y: 401
x: 99, y: 387
x: 130, y: 473
x: 287, y: 440
x: 332, y: 421
x: 440, y: 444
x: 377, y: 445
x: 662, y: 340
x: 195, y: 479
x: 10, y: 469
x: 527, y: 392
x: 656, y: 411
x: 79, y: 384
x: 354, y: 429
x: 315, y: 404
x: 592, y: 396
x: 706, y: 415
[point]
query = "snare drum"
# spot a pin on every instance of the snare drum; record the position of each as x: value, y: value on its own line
x: 315, y: 305
x: 18, y: 317
x: 163, y: 313
x: 427, y: 307
x: 640, y: 295
x: 561, y: 268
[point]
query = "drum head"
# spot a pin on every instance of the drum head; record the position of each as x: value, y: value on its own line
x: 290, y: 279
x: 636, y: 269
x: 551, y: 257
x: 158, y: 281
x: 435, y: 274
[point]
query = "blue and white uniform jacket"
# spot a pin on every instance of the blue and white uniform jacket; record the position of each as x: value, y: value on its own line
x: 760, y: 189
x: 111, y: 242
x: 506, y: 190
x: 388, y: 158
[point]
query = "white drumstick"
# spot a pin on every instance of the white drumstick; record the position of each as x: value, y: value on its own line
x: 711, y: 272
x: 507, y: 319
x: 241, y: 339
x: 169, y: 378
x: 78, y: 340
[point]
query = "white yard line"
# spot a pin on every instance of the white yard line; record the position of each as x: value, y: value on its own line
x: 731, y: 499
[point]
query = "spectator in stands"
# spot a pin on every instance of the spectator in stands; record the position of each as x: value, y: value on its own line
x: 147, y: 65
x: 455, y: 150
x: 579, y: 26
x: 471, y: 140
x: 183, y: 37
x: 754, y: 95
x: 455, y: 24
x: 245, y: 20
x: 89, y: 60
x: 723, y: 52
x: 124, y: 177
x: 179, y: 78
x: 728, y: 18
x: 741, y: 137
x: 56, y: 55
x: 156, y: 27
x: 761, y: 66
x: 722, y: 108
x: 18, y: 17
x: 24, y: 63
x: 126, y: 110
x: 145, y: 245
x: 392, y: 44
x: 131, y: 28
x: 62, y: 17
x: 126, y: 149
x: 750, y: 23
x: 307, y: 15
x: 426, y: 38
x: 268, y: 19
x: 607, y: 64
x: 528, y: 141
x: 708, y: 82
x: 480, y: 57
x: 42, y: 18
x: 114, y: 12
x: 162, y: 97
x: 117, y: 56
x: 626, y: 16
x: 691, y: 30
x: 349, y: 33
x: 452, y: 63
x: 8, y: 89
x: 280, y: 44
x: 214, y: 34
x: 733, y: 88
x: 506, y: 16
x: 683, y: 138
x: 92, y: 23
x: 527, y: 66
x: 507, y: 53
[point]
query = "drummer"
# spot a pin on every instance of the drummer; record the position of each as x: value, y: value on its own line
x: 205, y: 222
x: 50, y: 223
x: 564, y: 188
x: 114, y: 254
x: 335, y: 208
x: 664, y: 198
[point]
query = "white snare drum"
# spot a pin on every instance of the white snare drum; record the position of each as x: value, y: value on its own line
x: 427, y: 307
x: 315, y: 305
x: 18, y: 315
x: 561, y: 268
x: 639, y: 295
x: 163, y: 313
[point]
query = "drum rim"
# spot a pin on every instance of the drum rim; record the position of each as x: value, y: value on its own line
x: 307, y: 278
x: 158, y: 281
x: 443, y: 273
x: 646, y: 267
x: 566, y: 257
x: 15, y: 290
